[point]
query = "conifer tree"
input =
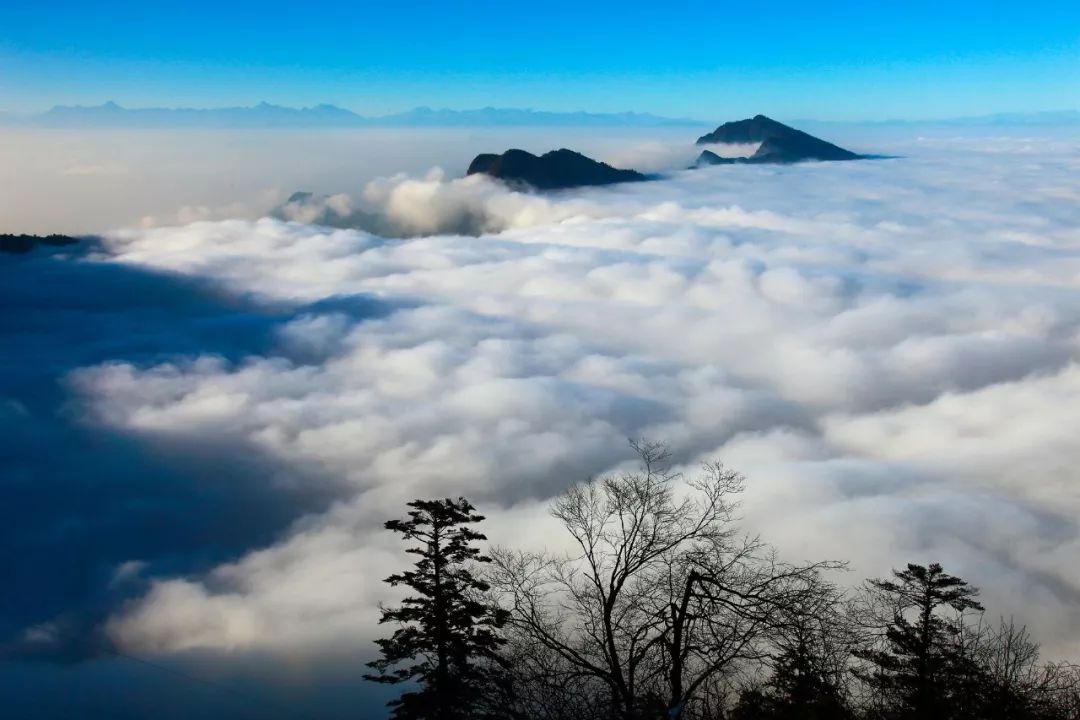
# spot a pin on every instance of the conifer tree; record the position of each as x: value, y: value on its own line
x: 802, y: 689
x: 447, y: 639
x: 921, y: 670
x: 802, y: 685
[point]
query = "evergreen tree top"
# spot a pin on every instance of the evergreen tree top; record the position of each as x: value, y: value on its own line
x: 921, y: 586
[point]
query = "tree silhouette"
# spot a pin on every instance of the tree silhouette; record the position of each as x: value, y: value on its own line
x: 1010, y: 683
x: 802, y: 689
x: 809, y: 665
x: 447, y: 640
x: 662, y: 609
x: 920, y: 669
x: 661, y: 598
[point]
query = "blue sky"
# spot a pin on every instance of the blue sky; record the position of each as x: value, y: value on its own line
x: 827, y: 60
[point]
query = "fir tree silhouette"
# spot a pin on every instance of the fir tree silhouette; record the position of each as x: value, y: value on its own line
x: 448, y: 636
x: 921, y: 668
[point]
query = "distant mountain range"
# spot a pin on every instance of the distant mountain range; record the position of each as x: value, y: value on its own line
x: 265, y: 115
x: 1056, y: 118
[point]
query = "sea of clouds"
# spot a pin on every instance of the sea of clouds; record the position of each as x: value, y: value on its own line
x: 889, y: 350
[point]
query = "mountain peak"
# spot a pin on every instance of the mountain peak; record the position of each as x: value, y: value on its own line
x: 777, y: 142
x: 553, y: 170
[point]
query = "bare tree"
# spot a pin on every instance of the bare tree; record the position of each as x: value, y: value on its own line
x: 661, y: 595
x: 1064, y: 693
x: 548, y: 687
x: 1014, y: 684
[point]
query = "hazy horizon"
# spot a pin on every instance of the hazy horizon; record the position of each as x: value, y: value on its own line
x: 87, y: 181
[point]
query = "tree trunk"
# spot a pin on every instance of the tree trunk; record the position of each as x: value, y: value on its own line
x: 442, y: 671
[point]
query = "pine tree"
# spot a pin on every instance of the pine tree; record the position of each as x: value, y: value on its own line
x: 921, y: 671
x: 448, y: 638
x: 800, y: 688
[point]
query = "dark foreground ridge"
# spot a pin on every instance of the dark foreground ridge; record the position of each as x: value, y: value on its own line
x: 779, y: 143
x: 25, y: 243
x: 550, y: 171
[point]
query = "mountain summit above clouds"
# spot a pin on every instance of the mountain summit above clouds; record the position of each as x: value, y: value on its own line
x: 777, y: 143
x: 550, y: 171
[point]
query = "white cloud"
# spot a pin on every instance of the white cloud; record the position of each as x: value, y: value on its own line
x: 888, y: 350
x: 731, y: 150
x: 92, y: 170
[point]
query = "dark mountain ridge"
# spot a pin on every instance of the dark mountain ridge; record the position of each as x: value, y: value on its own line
x: 19, y: 244
x: 551, y: 171
x: 779, y: 143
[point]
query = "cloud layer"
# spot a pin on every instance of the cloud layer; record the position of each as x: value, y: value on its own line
x: 889, y: 350
x: 95, y: 180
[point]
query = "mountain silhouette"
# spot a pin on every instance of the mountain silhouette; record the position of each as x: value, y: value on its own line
x: 19, y: 244
x: 551, y: 171
x: 779, y: 143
